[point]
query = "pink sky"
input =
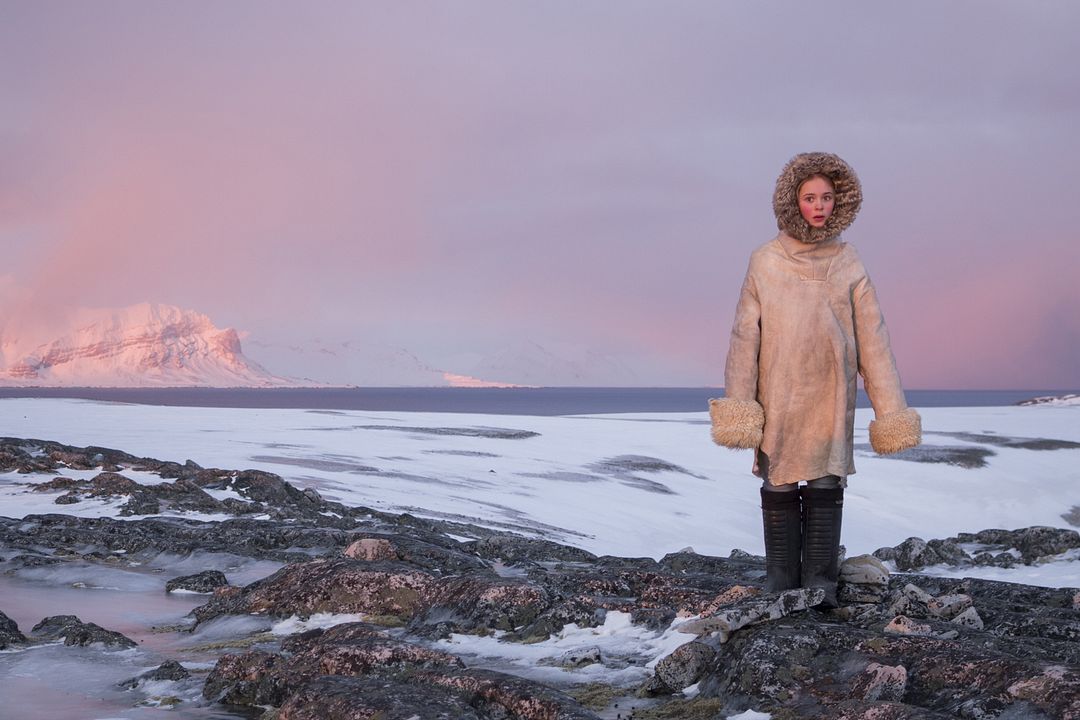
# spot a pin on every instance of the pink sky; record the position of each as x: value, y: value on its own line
x: 454, y: 178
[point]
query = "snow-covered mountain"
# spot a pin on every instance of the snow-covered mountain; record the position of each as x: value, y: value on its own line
x: 348, y: 363
x: 371, y: 363
x: 146, y: 345
x: 529, y: 363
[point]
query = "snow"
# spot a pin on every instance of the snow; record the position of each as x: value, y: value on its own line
x: 642, y: 484
x: 632, y: 484
x: 630, y: 652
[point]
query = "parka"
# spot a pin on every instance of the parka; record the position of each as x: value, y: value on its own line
x: 807, y: 324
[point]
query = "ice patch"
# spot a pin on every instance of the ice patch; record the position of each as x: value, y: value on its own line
x: 295, y: 624
x: 628, y: 652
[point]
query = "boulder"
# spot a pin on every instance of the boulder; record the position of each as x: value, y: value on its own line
x: 9, y: 633
x: 76, y: 632
x: 205, y: 582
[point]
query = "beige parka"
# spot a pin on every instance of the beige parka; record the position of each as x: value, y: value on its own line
x: 806, y: 325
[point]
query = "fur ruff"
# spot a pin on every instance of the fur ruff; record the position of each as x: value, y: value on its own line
x: 848, y: 196
x: 736, y: 423
x: 895, y: 431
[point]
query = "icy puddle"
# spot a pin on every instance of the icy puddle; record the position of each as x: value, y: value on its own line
x: 58, y: 682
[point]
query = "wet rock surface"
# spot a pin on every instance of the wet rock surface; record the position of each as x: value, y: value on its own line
x: 909, y: 646
x: 74, y: 631
x: 203, y: 582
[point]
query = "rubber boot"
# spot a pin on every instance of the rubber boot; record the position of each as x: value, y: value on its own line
x: 822, y: 514
x: 783, y: 543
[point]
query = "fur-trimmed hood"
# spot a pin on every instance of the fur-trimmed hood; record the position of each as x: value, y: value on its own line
x: 848, y: 196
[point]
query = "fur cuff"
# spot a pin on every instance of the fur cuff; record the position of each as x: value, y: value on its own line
x: 895, y: 431
x: 736, y: 423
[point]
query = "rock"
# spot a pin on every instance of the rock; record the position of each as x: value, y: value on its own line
x: 731, y: 596
x: 949, y: 552
x: 863, y: 579
x: 980, y: 649
x: 656, y: 619
x: 864, y: 570
x: 881, y: 682
x: 334, y: 586
x: 371, y: 549
x: 969, y: 618
x: 75, y: 632
x: 1036, y: 543
x: 913, y: 554
x: 685, y: 666
x: 204, y: 582
x: 903, y: 625
x: 516, y: 550
x: 1004, y: 559
x: 728, y: 621
x: 579, y: 658
x: 1056, y: 689
x: 168, y: 670
x: 948, y: 607
x: 438, y: 555
x: 352, y: 670
x: 141, y: 503
x: 9, y: 633
x: 109, y: 483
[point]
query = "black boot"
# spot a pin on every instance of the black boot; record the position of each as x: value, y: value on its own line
x: 783, y: 545
x: 823, y: 509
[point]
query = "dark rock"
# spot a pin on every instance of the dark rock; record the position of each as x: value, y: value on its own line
x: 655, y: 619
x: 108, y: 483
x: 436, y: 555
x: 204, y: 582
x: 341, y: 585
x: 1004, y: 560
x: 141, y: 503
x: 68, y: 498
x: 1032, y: 544
x: 516, y: 550
x: 1035, y: 543
x: 353, y: 670
x: 366, y: 698
x: 59, y: 483
x: 168, y: 670
x: 913, y: 554
x: 9, y: 633
x: 75, y: 632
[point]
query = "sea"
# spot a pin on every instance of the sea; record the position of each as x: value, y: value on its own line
x: 549, y: 401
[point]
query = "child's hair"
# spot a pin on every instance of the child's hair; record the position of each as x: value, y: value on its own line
x: 808, y: 178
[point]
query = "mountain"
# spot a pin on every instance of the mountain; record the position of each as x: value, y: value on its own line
x: 529, y: 363
x: 374, y: 364
x: 348, y: 363
x: 147, y: 345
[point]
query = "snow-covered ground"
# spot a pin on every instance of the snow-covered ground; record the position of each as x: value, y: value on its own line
x: 631, y: 485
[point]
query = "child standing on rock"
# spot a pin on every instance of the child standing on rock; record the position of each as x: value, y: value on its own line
x: 806, y: 325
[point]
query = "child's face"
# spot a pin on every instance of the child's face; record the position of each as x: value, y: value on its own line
x: 816, y: 200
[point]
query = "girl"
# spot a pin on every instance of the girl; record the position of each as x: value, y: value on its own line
x: 806, y: 325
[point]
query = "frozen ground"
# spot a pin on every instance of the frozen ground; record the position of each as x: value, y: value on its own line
x: 631, y: 485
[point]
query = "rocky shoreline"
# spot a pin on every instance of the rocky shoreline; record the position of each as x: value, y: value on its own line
x: 902, y: 645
